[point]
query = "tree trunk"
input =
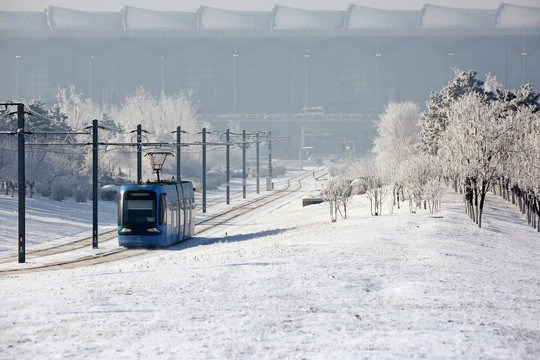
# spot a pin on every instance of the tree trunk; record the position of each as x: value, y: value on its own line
x: 483, y: 192
x: 520, y: 200
x: 530, y: 209
x: 336, y: 208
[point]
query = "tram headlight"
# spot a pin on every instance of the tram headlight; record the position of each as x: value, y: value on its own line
x: 124, y: 231
x: 154, y: 231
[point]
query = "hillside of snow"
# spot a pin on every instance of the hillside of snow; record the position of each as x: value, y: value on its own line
x: 285, y: 282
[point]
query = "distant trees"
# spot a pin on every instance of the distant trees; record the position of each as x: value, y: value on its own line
x: 475, y: 134
x: 485, y: 135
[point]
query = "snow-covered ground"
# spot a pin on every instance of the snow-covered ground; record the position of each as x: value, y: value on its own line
x: 288, y: 283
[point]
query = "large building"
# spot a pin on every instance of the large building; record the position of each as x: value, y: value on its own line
x: 277, y: 62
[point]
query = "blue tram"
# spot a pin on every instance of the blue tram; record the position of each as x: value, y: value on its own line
x: 156, y: 214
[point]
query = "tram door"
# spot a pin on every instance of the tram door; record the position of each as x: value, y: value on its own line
x: 171, y: 217
x: 189, y: 210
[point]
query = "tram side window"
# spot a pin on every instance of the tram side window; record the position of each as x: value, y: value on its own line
x: 170, y: 214
x: 162, y: 209
x: 181, y: 215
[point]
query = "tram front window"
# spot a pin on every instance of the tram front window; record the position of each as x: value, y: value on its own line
x: 139, y: 212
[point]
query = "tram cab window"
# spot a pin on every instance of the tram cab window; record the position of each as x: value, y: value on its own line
x: 140, y: 207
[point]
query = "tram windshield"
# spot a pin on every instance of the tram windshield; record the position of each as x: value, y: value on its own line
x: 140, y: 208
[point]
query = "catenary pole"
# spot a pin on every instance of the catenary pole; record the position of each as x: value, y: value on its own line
x: 178, y: 152
x: 204, y: 170
x: 270, y: 154
x: 257, y: 140
x: 95, y: 184
x: 244, y: 175
x: 139, y: 154
x: 228, y: 172
x: 22, y: 180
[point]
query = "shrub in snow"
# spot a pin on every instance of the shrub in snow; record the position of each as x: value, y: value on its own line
x: 60, y: 191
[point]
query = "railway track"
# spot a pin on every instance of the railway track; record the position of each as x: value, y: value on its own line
x: 109, y: 250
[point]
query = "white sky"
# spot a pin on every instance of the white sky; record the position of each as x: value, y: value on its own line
x: 258, y: 5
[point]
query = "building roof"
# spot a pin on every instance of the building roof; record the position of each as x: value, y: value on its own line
x: 362, y: 17
x: 66, y: 19
x: 218, y: 19
x: 288, y: 18
x: 141, y: 19
x: 27, y: 20
x: 281, y: 18
x: 513, y: 16
x: 441, y: 17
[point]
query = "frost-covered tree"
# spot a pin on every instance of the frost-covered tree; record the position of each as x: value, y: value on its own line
x: 159, y: 117
x: 421, y: 176
x: 477, y: 137
x: 337, y: 190
x: 377, y: 189
x: 524, y: 164
x: 435, y: 118
x: 79, y: 112
x: 330, y: 193
x: 397, y: 134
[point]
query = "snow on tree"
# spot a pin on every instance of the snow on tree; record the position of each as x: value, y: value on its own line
x: 79, y: 112
x: 329, y: 193
x: 476, y: 140
x: 377, y: 188
x: 159, y: 117
x: 435, y: 118
x: 420, y: 175
x: 397, y: 134
x: 524, y: 164
x: 337, y: 189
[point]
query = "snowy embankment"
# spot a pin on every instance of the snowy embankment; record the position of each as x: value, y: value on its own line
x: 288, y: 283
